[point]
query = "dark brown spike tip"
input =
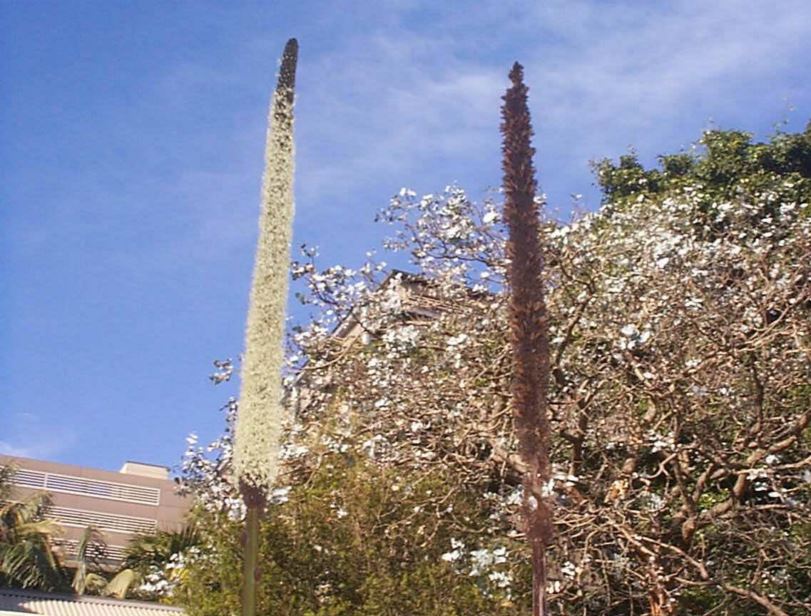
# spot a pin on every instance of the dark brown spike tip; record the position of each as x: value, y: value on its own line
x: 517, y: 74
x: 291, y: 47
x: 287, y: 72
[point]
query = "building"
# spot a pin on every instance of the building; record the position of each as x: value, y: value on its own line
x: 138, y: 499
x: 14, y: 602
x: 415, y: 298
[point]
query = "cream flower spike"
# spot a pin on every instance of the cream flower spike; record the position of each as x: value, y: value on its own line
x: 259, y: 422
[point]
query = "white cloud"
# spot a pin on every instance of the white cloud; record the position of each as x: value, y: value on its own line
x: 19, y: 452
x: 29, y: 436
x: 603, y: 76
x: 387, y: 105
x: 413, y: 92
x: 629, y: 70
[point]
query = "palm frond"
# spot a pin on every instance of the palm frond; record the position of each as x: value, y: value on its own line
x: 121, y: 583
x: 27, y: 557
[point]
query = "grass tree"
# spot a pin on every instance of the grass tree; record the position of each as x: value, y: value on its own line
x: 528, y: 325
x: 258, y: 428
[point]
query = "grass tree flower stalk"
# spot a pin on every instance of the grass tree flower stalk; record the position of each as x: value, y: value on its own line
x: 259, y: 421
x: 528, y: 326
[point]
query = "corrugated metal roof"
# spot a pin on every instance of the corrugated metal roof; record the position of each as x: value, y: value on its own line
x: 49, y: 604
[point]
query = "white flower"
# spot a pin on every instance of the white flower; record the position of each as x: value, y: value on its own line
x: 457, y: 340
x: 279, y: 495
x: 291, y: 451
x: 457, y: 549
x: 629, y: 331
x: 451, y: 556
x: 501, y: 579
x: 515, y: 497
x: 417, y: 425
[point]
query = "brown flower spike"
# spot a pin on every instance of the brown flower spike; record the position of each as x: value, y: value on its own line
x: 528, y: 325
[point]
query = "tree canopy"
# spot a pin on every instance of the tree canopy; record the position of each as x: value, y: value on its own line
x: 680, y: 336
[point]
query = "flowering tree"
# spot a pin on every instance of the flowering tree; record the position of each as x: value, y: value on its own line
x: 680, y: 357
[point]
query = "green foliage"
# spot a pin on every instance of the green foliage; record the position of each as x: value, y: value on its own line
x: 354, y: 540
x: 27, y: 558
x: 89, y: 552
x: 212, y: 583
x: 145, y: 552
x: 626, y: 178
x: 729, y: 165
x: 154, y: 565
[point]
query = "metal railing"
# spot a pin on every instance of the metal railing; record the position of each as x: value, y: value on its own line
x: 110, y: 553
x: 82, y: 486
x: 81, y: 518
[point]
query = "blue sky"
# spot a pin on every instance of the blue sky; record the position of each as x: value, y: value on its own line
x: 132, y: 138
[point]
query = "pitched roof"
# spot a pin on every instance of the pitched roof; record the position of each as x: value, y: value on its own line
x: 14, y: 602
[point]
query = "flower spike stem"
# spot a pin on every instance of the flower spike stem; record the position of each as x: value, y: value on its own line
x: 528, y: 326
x: 254, y: 505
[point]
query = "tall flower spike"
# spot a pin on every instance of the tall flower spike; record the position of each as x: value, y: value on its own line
x: 258, y: 428
x: 259, y: 420
x: 528, y: 325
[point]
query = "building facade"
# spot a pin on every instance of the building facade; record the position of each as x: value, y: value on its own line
x: 138, y: 499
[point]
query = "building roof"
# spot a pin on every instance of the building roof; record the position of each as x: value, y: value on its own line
x: 14, y: 602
